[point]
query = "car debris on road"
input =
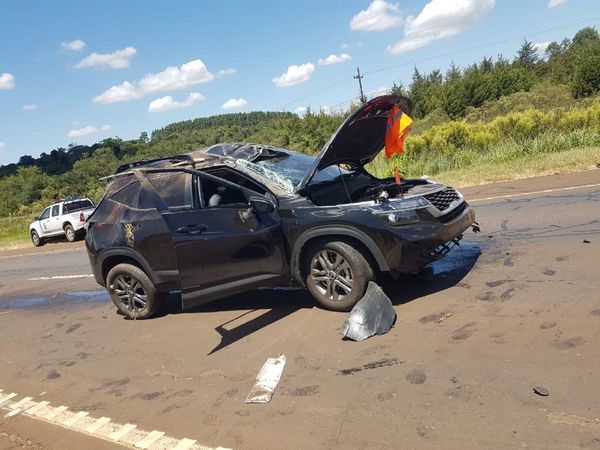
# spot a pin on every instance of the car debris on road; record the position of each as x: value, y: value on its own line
x: 373, y: 314
x: 267, y: 380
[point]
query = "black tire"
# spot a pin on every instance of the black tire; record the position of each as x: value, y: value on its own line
x: 36, y: 239
x: 132, y: 292
x: 337, y: 274
x: 70, y: 233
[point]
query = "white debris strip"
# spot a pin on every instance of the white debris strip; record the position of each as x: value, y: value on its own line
x: 102, y: 428
x: 267, y: 380
x: 61, y: 277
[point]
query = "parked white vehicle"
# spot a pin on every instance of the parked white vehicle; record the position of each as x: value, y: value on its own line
x: 62, y: 218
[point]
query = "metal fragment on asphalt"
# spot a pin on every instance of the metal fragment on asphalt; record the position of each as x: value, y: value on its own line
x: 373, y: 314
x: 267, y: 380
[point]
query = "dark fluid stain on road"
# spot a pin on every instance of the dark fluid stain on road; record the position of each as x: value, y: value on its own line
x: 386, y: 362
x: 457, y: 260
x: 66, y: 298
x: 416, y: 376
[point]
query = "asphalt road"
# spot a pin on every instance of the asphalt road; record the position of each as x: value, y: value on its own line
x: 514, y: 307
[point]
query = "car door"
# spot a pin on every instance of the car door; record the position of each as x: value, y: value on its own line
x: 222, y: 247
x: 54, y: 223
x: 45, y: 220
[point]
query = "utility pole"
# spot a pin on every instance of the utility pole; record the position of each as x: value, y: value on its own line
x: 359, y: 77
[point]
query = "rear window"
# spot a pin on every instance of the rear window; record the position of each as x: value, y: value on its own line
x: 128, y: 195
x: 174, y: 188
x: 77, y: 206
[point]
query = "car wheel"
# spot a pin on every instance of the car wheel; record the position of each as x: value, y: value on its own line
x: 36, y: 239
x: 337, y: 275
x: 70, y: 233
x: 132, y: 291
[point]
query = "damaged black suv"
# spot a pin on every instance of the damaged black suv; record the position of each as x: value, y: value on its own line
x: 234, y: 217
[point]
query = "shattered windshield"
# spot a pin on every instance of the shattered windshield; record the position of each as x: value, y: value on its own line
x: 289, y: 169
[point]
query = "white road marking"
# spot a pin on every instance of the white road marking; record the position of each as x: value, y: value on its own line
x: 545, y: 191
x: 33, y: 409
x: 99, y: 423
x: 152, y: 437
x: 185, y: 444
x: 121, y: 433
x: 6, y: 398
x: 14, y: 412
x: 55, y: 412
x: 98, y: 428
x: 61, y: 277
x: 75, y: 418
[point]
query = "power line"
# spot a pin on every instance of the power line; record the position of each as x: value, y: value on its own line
x: 440, y: 55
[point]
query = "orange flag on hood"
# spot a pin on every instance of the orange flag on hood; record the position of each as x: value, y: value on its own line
x: 398, y: 126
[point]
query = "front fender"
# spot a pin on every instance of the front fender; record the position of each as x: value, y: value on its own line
x: 331, y: 231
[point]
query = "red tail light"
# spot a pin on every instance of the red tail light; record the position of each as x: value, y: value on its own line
x: 81, y: 217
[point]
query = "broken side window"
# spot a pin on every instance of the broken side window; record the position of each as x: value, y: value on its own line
x: 174, y: 188
x: 128, y: 195
x: 215, y: 194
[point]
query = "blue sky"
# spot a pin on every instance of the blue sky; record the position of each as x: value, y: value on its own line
x: 80, y: 71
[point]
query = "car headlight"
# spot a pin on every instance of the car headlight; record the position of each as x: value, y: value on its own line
x: 401, y: 211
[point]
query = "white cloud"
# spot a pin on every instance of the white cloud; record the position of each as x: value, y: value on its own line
x: 235, y: 103
x: 440, y: 19
x: 541, y: 47
x: 119, y: 59
x: 379, y: 91
x: 295, y: 75
x: 335, y: 59
x: 225, y: 72
x: 1, y: 145
x: 80, y: 132
x: 555, y: 3
x: 379, y: 16
x: 172, y: 78
x: 123, y: 92
x: 74, y: 46
x: 7, y: 81
x: 167, y: 103
x: 344, y: 46
x: 30, y: 107
x: 301, y: 110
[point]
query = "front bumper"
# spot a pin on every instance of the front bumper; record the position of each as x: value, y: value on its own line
x: 428, y: 241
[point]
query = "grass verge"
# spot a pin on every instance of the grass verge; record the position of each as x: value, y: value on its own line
x: 14, y: 232
x: 483, y: 172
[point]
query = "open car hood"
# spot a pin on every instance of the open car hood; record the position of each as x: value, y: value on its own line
x: 360, y: 138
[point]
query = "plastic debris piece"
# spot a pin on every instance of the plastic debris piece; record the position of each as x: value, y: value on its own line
x: 267, y: 380
x: 585, y: 241
x: 373, y: 314
x: 541, y: 391
x: 444, y: 317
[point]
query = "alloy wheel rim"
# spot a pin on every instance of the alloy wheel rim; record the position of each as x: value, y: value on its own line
x: 332, y: 275
x: 70, y: 234
x: 130, y: 293
x: 35, y: 238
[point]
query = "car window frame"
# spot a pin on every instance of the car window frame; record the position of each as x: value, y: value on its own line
x: 49, y: 209
x: 198, y: 202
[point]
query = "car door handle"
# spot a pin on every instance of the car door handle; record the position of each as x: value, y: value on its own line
x: 192, y: 229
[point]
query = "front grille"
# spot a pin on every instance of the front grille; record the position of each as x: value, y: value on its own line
x: 454, y: 213
x: 442, y: 199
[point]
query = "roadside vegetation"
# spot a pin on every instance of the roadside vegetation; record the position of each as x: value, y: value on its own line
x: 496, y: 119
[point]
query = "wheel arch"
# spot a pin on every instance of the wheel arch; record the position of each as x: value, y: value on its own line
x: 65, y: 223
x: 347, y: 234
x: 111, y: 258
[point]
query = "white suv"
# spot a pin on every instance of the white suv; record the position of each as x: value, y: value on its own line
x: 63, y: 218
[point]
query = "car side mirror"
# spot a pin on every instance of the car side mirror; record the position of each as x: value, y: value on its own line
x: 262, y: 205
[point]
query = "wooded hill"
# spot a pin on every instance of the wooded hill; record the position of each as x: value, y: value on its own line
x: 493, y: 109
